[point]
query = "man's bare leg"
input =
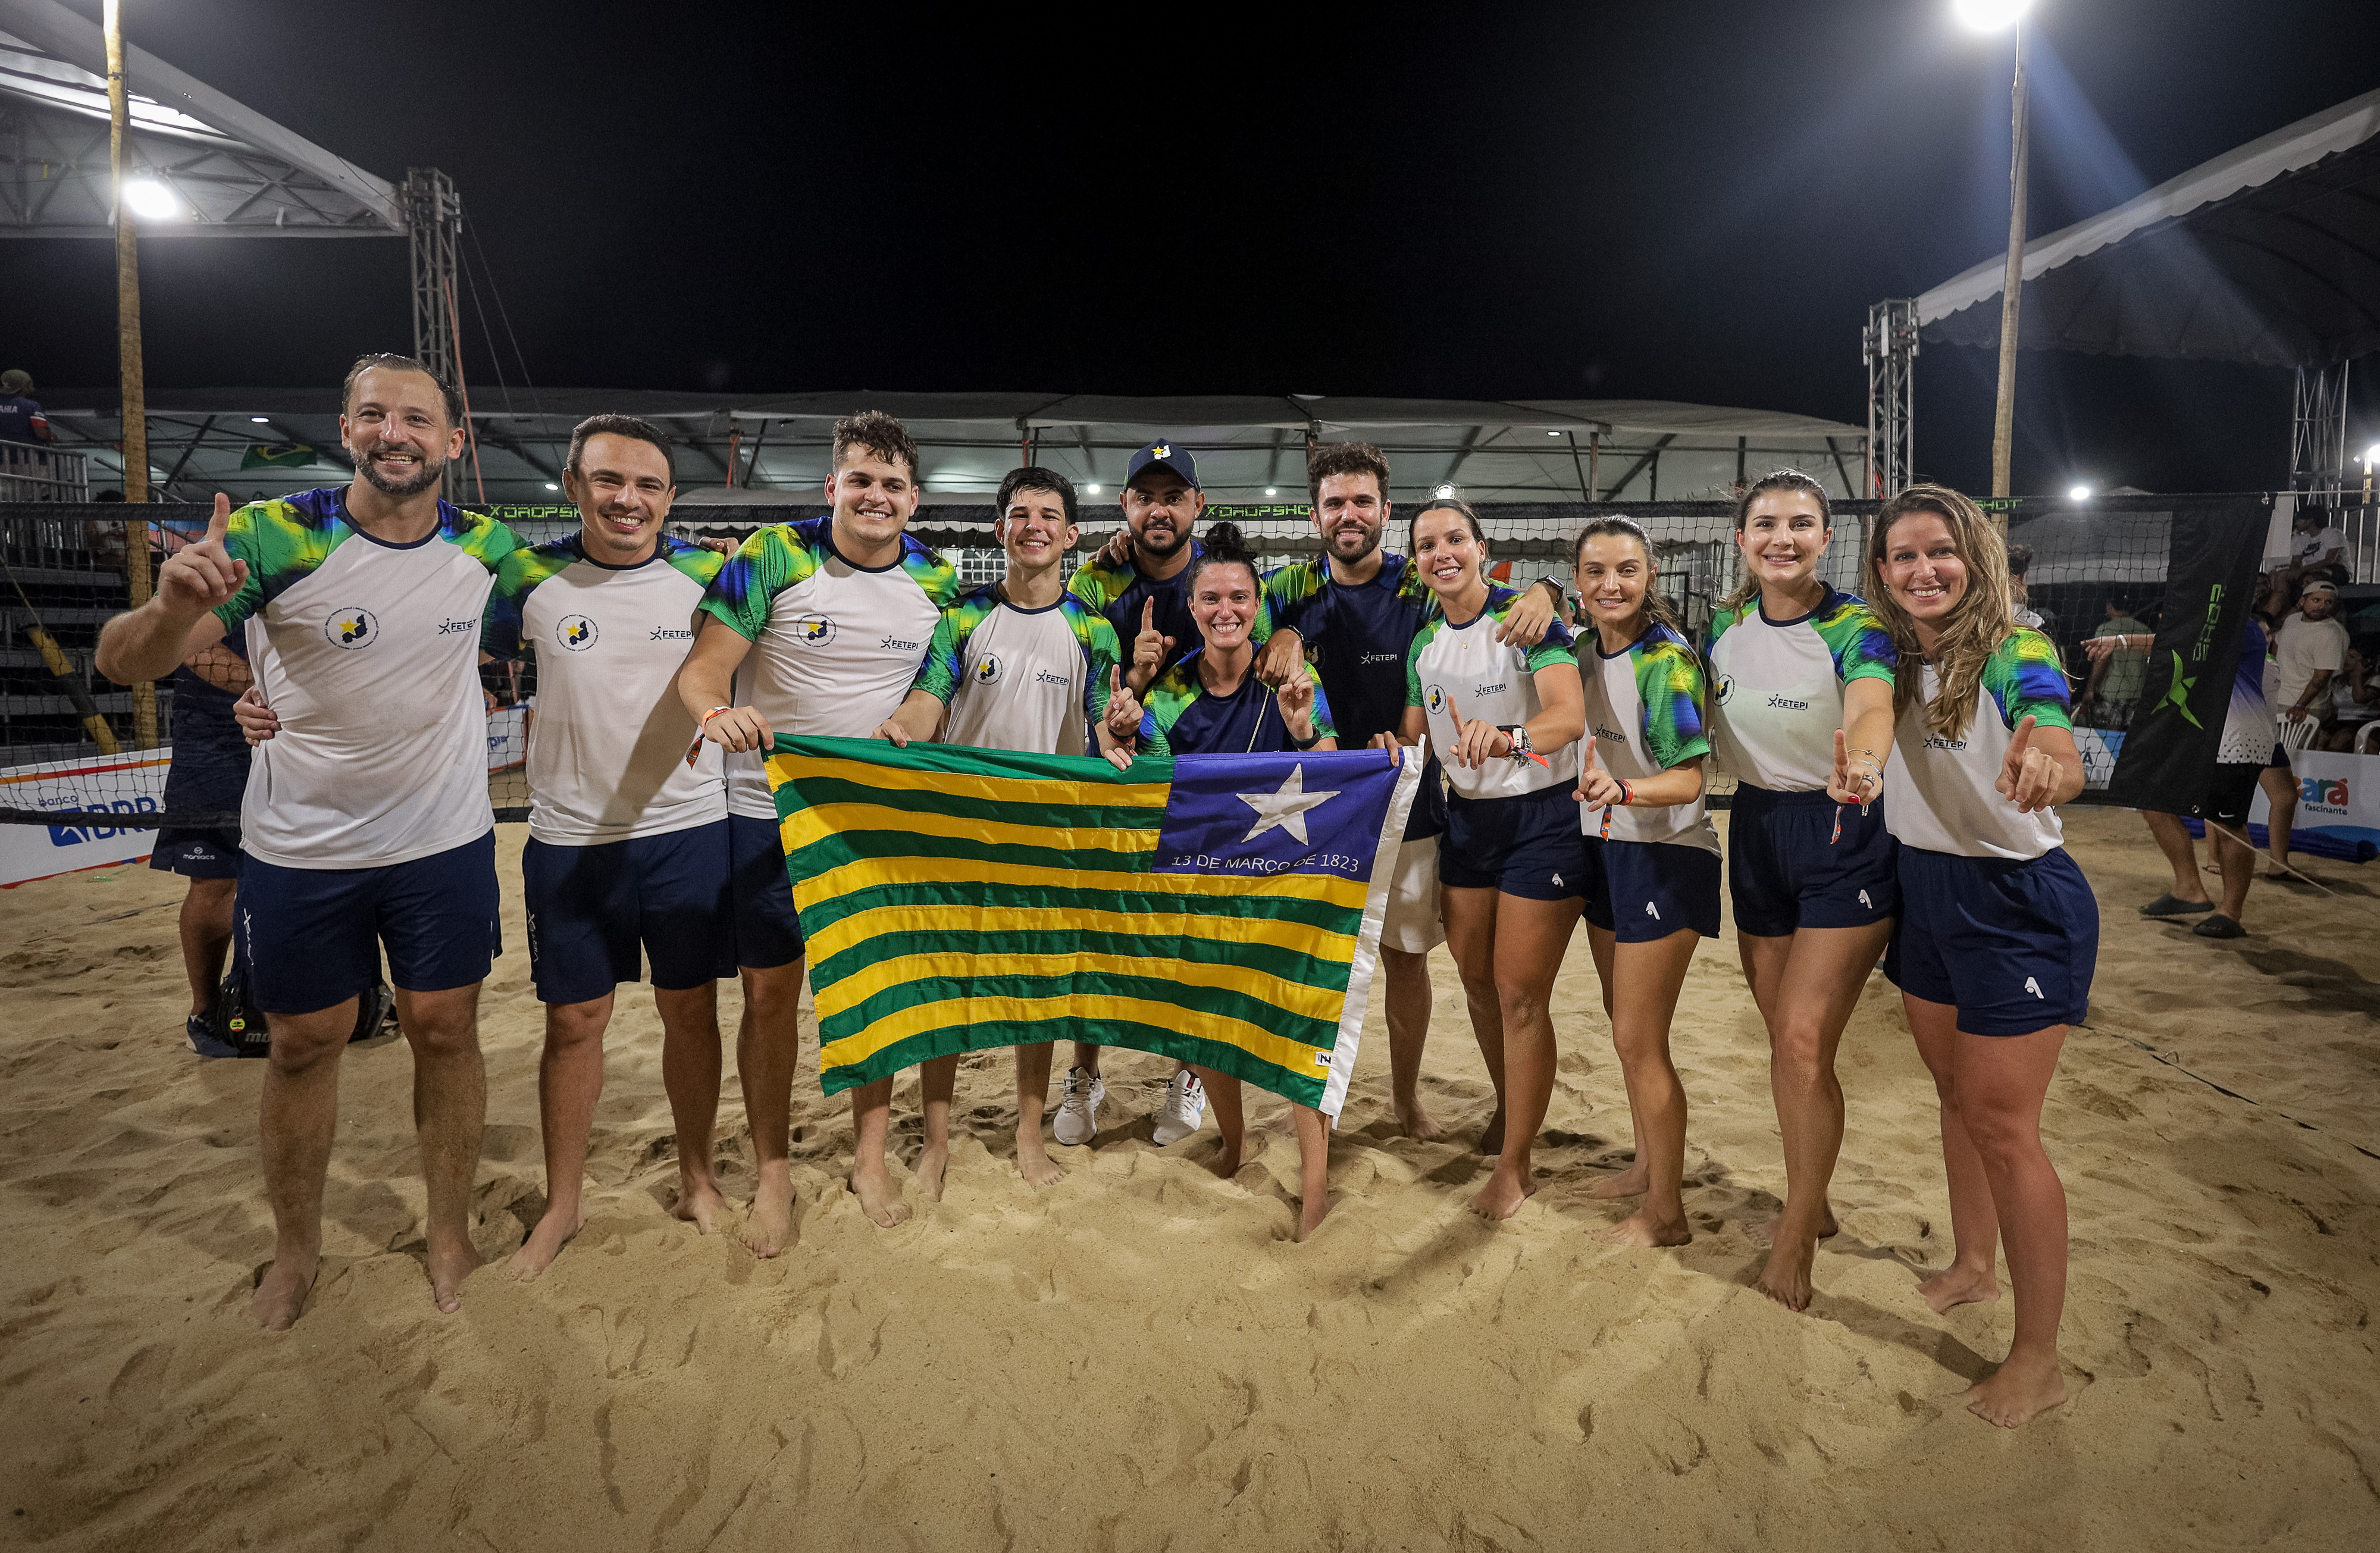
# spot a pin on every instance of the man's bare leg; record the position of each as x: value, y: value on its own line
x: 871, y: 1179
x: 1408, y: 1010
x: 206, y: 938
x: 1313, y: 1168
x: 1223, y: 1098
x: 1471, y: 938
x: 1815, y: 985
x: 1033, y: 1159
x: 1973, y: 1276
x: 937, y: 1081
x: 2181, y: 854
x: 1531, y: 938
x: 768, y: 1045
x: 569, y: 1082
x: 1646, y: 982
x: 450, y: 1107
x: 2001, y: 1083
x: 298, y: 1114
x: 690, y: 1076
x: 2281, y: 799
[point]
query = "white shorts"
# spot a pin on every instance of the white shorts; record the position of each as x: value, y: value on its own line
x: 1412, y: 924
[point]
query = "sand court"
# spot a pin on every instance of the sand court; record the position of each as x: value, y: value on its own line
x: 1139, y: 1357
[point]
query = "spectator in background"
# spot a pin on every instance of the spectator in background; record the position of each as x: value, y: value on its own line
x: 2020, y: 558
x: 21, y: 415
x: 2117, y: 674
x: 2317, y: 548
x: 209, y: 774
x: 2354, y: 700
x: 2308, y: 649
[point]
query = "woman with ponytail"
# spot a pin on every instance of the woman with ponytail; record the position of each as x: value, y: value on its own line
x: 1801, y: 712
x: 1998, y: 932
x: 1211, y: 702
x: 1653, y: 868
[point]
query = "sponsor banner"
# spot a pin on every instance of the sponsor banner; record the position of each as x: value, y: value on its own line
x: 2338, y: 807
x: 131, y: 783
x: 508, y: 736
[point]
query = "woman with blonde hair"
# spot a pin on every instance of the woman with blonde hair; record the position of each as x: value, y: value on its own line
x: 1998, y: 933
x: 1801, y: 678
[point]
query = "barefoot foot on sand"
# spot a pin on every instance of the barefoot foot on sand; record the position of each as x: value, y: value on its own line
x: 2017, y: 1393
x: 929, y: 1169
x: 545, y: 1242
x: 1642, y: 1228
x: 1492, y: 1138
x: 281, y: 1292
x: 449, y: 1265
x: 1033, y: 1162
x: 1226, y: 1162
x: 1630, y: 1183
x: 1416, y: 1123
x: 1310, y: 1216
x: 1786, y: 1276
x: 1762, y: 1232
x: 1503, y: 1194
x: 769, y: 1223
x: 1955, y: 1285
x: 698, y: 1201
x: 879, y: 1198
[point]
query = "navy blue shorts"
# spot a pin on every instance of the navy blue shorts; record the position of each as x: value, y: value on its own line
x: 201, y: 781
x: 312, y: 937
x: 768, y: 929
x: 2011, y: 945
x: 1788, y: 867
x: 1639, y: 892
x: 591, y: 909
x: 1528, y: 845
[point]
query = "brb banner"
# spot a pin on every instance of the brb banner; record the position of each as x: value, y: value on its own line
x: 2338, y: 807
x: 128, y: 785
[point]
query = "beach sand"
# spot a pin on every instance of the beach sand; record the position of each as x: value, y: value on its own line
x: 1139, y: 1358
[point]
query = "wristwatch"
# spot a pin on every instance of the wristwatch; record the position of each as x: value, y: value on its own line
x: 1309, y: 741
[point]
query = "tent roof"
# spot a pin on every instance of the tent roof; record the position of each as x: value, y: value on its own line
x: 2269, y: 253
x: 238, y: 173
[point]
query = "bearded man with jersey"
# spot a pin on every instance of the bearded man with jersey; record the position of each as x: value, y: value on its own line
x: 815, y: 628
x: 366, y: 824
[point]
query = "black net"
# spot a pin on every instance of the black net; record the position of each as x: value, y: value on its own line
x: 84, y: 757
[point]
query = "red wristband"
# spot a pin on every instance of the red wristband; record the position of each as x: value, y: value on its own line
x: 1627, y: 794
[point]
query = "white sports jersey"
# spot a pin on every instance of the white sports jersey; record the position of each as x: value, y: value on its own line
x: 1021, y: 679
x: 1486, y: 681
x: 1777, y: 687
x: 836, y: 646
x: 369, y: 653
x: 608, y: 741
x: 1643, y: 707
x: 1943, y: 798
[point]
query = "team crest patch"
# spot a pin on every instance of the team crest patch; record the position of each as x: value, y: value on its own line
x: 576, y: 632
x: 813, y: 630
x: 1726, y: 688
x: 989, y: 670
x: 1435, y: 697
x: 352, y: 628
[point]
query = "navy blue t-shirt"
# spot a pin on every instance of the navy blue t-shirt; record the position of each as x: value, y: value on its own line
x: 203, y: 719
x: 17, y: 417
x: 1359, y: 634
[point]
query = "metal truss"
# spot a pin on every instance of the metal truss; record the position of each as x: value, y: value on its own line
x: 1888, y: 346
x: 2318, y: 430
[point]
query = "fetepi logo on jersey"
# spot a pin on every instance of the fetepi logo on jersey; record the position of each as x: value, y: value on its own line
x: 1725, y: 688
x: 813, y: 630
x: 352, y: 628
x: 988, y: 669
x: 576, y: 632
x: 1435, y: 698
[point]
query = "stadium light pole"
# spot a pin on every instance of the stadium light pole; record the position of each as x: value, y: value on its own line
x: 1994, y: 15
x: 135, y: 412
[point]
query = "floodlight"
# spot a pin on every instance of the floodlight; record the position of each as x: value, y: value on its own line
x: 550, y: 485
x: 151, y: 199
x: 1093, y: 490
x: 2371, y: 455
x: 2077, y: 492
x: 1270, y: 490
x: 1444, y: 492
x: 1553, y: 433
x: 1989, y: 16
x: 262, y: 419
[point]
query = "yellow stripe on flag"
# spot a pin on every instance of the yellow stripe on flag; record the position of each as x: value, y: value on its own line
x: 870, y: 873
x: 996, y: 790
x: 1292, y: 998
x: 820, y: 822
x: 1294, y: 1056
x: 1271, y: 931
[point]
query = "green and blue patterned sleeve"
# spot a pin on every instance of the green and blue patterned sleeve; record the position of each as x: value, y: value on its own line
x: 1102, y: 655
x: 764, y: 566
x: 698, y: 562
x: 1862, y: 647
x: 1163, y: 707
x: 1723, y: 618
x: 1323, y: 727
x: 937, y: 675
x: 1558, y: 647
x: 931, y: 571
x: 1290, y: 594
x: 517, y: 576
x: 1413, y: 660
x: 1098, y: 584
x: 2027, y: 678
x: 282, y: 543
x: 1670, y: 682
x: 479, y: 537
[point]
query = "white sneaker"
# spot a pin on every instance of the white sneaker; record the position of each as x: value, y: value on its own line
x: 1078, y: 1107
x: 1185, y: 1111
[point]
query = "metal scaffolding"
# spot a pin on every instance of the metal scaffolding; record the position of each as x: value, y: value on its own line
x: 2318, y: 430
x: 1889, y: 348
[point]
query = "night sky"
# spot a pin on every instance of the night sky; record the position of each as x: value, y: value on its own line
x: 1679, y: 200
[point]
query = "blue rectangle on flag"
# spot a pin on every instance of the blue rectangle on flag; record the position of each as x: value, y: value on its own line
x: 1262, y: 814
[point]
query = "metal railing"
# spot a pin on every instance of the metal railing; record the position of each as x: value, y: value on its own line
x: 31, y: 472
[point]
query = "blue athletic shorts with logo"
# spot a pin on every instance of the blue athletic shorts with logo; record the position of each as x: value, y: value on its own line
x: 2011, y: 945
x: 202, y: 780
x: 593, y: 909
x: 1526, y: 844
x: 1638, y: 891
x: 1803, y: 860
x: 768, y: 929
x: 312, y: 937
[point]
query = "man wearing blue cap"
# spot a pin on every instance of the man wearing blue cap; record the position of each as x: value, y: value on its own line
x: 1139, y: 582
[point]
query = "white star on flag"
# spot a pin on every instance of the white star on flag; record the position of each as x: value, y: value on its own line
x: 1285, y: 808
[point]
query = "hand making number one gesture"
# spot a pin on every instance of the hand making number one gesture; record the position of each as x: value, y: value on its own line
x: 1123, y: 715
x: 1858, y: 779
x: 1148, y: 648
x: 197, y: 578
x: 1475, y: 744
x: 2028, y: 776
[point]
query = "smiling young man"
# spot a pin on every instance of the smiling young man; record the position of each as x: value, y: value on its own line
x: 626, y: 860
x: 814, y: 628
x: 366, y: 822
x: 1359, y: 607
x: 1016, y: 664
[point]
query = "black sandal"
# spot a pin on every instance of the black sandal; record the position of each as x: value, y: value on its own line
x: 2166, y: 905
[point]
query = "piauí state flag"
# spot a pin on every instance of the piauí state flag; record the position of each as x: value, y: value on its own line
x: 1224, y: 909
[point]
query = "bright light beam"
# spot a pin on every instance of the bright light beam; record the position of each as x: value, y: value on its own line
x: 2077, y: 492
x: 151, y: 199
x: 1989, y: 16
